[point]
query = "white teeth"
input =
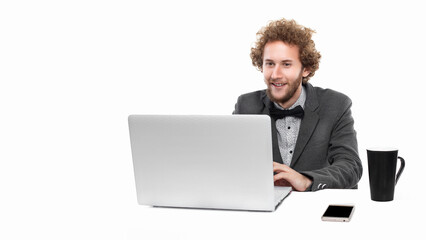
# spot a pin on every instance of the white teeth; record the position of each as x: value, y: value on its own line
x: 278, y: 84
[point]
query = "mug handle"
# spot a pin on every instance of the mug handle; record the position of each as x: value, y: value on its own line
x: 401, y: 168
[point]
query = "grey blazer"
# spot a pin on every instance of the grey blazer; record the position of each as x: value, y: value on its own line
x: 326, y: 149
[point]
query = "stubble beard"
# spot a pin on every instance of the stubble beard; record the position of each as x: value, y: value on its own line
x: 291, y: 91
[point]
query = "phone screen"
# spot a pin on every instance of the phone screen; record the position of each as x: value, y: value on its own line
x: 338, y: 211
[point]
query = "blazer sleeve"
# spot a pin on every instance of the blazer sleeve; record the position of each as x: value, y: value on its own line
x: 345, y: 167
x: 237, y: 109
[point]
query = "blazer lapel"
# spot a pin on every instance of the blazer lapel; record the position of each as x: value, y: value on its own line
x: 308, y: 124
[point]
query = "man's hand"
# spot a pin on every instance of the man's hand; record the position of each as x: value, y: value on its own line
x: 286, y: 176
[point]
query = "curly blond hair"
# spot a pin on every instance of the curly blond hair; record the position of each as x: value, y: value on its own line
x: 291, y: 33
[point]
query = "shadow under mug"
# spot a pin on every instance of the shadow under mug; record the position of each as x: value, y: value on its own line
x: 381, y: 169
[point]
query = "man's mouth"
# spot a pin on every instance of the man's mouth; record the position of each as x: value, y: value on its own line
x: 278, y: 84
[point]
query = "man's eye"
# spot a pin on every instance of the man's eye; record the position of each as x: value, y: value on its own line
x: 269, y: 64
x: 287, y: 64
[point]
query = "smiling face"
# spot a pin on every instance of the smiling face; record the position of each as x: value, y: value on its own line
x: 283, y: 72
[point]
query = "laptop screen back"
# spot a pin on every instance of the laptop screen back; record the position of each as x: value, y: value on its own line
x: 203, y: 161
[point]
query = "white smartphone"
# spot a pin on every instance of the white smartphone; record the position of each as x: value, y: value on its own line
x: 338, y: 213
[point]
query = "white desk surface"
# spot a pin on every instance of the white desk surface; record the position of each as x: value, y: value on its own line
x: 299, y: 217
x: 86, y: 216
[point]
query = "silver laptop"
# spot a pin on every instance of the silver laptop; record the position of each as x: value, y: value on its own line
x: 204, y: 161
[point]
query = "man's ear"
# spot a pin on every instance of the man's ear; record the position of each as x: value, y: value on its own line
x: 306, y: 72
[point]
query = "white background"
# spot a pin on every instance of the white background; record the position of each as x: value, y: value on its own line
x: 72, y: 71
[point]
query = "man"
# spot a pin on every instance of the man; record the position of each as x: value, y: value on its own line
x: 314, y: 141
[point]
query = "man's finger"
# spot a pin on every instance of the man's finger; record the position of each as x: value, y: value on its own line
x: 279, y: 176
x: 280, y: 167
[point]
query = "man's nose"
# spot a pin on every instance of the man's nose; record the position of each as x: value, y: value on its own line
x: 276, y: 73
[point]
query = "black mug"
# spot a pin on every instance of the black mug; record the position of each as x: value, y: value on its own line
x: 381, y: 170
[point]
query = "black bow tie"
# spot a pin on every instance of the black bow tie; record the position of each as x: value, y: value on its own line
x: 276, y: 113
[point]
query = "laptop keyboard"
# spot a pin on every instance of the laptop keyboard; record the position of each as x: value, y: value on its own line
x: 280, y: 193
